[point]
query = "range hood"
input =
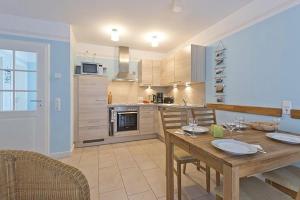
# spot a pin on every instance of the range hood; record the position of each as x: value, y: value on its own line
x: 123, y: 61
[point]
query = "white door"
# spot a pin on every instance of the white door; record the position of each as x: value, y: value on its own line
x: 24, y: 80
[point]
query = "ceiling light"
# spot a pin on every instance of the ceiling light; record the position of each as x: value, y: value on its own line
x: 177, y: 6
x: 114, y: 35
x: 154, y: 41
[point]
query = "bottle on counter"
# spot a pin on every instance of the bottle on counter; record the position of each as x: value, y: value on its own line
x: 109, y: 98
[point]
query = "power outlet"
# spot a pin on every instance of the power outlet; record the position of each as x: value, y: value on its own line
x: 286, y: 107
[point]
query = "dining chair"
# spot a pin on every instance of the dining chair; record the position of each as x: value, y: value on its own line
x: 28, y: 175
x: 175, y: 118
x: 286, y: 179
x: 206, y: 117
x: 253, y: 188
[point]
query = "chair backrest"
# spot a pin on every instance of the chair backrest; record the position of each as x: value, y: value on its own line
x: 173, y: 118
x: 30, y: 175
x: 7, y: 177
x: 204, y: 116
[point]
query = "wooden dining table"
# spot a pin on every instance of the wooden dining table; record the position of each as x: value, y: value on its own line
x: 232, y: 167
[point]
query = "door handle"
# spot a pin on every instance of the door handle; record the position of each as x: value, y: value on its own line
x: 37, y: 101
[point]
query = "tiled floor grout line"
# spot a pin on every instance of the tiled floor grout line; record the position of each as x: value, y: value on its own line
x: 98, y: 170
x: 149, y: 169
x: 120, y: 174
x: 145, y: 156
x: 145, y: 176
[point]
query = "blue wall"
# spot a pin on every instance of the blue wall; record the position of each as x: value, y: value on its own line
x: 59, y: 121
x: 263, y: 67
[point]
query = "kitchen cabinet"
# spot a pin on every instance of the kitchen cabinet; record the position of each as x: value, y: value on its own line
x: 145, y: 72
x: 186, y: 65
x: 149, y: 72
x: 190, y: 64
x: 167, y: 71
x: 156, y: 73
x: 147, y: 119
x: 164, y: 73
x: 90, y: 108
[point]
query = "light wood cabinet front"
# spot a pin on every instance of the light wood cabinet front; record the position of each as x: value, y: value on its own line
x: 145, y: 72
x: 149, y: 73
x: 156, y: 73
x: 170, y: 70
x: 91, y: 113
x: 164, y: 72
x: 147, y: 120
x: 183, y: 66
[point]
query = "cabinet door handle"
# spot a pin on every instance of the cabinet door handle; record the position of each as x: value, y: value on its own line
x: 93, y: 127
x: 93, y: 121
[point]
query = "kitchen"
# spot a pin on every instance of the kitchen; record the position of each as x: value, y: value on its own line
x: 151, y: 84
x: 150, y: 100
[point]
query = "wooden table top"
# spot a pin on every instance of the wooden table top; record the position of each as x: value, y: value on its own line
x: 274, y: 149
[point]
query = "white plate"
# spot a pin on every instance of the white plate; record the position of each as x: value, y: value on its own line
x: 198, y: 129
x: 283, y: 137
x: 234, y: 147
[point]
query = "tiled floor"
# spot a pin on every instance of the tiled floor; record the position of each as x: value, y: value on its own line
x: 133, y: 171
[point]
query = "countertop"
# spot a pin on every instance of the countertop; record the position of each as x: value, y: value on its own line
x: 158, y: 105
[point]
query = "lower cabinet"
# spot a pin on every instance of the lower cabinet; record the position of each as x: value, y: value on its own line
x: 147, y: 119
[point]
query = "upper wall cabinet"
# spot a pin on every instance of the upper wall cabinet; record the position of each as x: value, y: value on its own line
x: 156, y: 73
x: 184, y: 66
x: 149, y: 72
x: 167, y: 71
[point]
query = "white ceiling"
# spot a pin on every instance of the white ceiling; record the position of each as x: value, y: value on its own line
x: 136, y: 17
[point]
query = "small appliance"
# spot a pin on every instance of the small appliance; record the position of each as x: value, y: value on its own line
x: 89, y: 68
x: 169, y: 100
x: 159, y: 97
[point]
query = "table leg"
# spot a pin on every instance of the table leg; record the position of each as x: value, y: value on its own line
x: 298, y: 195
x: 169, y: 168
x: 231, y: 183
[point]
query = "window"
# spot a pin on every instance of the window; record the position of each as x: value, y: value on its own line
x: 18, y: 80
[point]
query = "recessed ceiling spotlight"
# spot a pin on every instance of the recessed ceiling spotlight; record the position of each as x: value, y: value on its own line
x: 177, y: 6
x: 114, y: 35
x: 154, y: 41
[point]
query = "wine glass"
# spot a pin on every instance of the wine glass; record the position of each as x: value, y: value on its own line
x: 276, y: 121
x: 193, y: 124
x: 230, y: 126
x: 239, y: 121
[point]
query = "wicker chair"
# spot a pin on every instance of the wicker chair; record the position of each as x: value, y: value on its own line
x: 31, y: 176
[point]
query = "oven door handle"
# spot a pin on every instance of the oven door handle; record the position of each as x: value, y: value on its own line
x: 124, y: 113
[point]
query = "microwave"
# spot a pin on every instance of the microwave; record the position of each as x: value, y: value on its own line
x: 89, y: 68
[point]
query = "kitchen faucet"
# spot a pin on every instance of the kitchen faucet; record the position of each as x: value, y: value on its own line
x: 184, y: 101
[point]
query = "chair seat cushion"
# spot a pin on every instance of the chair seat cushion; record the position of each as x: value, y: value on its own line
x: 253, y: 188
x: 288, y: 177
x: 180, y: 154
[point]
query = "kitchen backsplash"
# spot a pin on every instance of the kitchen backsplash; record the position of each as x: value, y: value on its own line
x: 194, y: 94
x: 129, y: 92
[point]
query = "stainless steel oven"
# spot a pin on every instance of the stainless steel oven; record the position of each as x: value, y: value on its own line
x: 126, y: 120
